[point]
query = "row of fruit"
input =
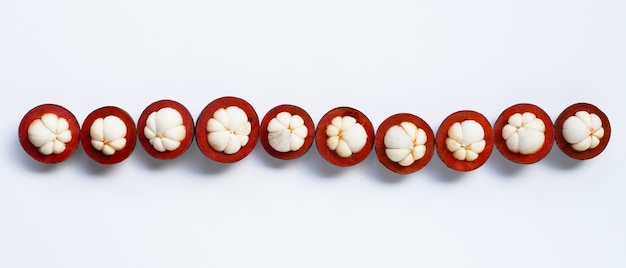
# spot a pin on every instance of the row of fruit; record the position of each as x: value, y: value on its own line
x: 228, y: 129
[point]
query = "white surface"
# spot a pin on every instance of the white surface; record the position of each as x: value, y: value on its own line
x: 429, y: 58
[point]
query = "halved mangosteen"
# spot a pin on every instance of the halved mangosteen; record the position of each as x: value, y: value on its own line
x: 227, y: 129
x: 108, y: 135
x: 524, y: 133
x: 49, y: 133
x: 582, y: 131
x: 464, y: 140
x: 344, y: 136
x: 287, y: 132
x: 404, y: 143
x: 165, y: 129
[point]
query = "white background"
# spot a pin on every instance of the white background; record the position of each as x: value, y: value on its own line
x: 430, y: 58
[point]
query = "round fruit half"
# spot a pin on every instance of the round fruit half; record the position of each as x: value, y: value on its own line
x: 582, y: 131
x: 344, y: 136
x: 49, y: 133
x: 404, y: 143
x: 165, y: 129
x: 227, y: 129
x: 464, y: 140
x: 524, y: 133
x: 287, y: 132
x: 108, y: 135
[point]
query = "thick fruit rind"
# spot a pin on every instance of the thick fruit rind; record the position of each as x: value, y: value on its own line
x: 395, y: 120
x: 36, y: 113
x: 502, y: 121
x: 187, y: 123
x: 203, y: 120
x: 293, y: 110
x: 442, y: 134
x: 565, y: 146
x: 330, y: 155
x: 131, y: 135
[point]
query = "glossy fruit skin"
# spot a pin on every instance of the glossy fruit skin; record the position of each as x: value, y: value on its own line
x: 502, y: 121
x: 293, y: 110
x: 187, y: 123
x: 331, y: 156
x: 447, y: 157
x: 36, y: 113
x: 131, y: 135
x: 207, y: 113
x: 566, y: 147
x: 380, y: 148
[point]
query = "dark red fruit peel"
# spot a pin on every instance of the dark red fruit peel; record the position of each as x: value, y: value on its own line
x: 442, y: 134
x: 131, y: 135
x: 36, y: 113
x: 396, y: 120
x: 202, y: 134
x: 293, y: 110
x: 503, y: 120
x: 187, y: 123
x: 566, y: 147
x: 330, y: 155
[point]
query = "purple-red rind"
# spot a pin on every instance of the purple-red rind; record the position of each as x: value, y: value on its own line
x: 396, y: 120
x: 502, y: 121
x: 36, y: 113
x: 202, y: 133
x: 442, y: 134
x: 187, y: 123
x: 330, y: 155
x: 566, y: 147
x: 131, y: 135
x: 293, y: 110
